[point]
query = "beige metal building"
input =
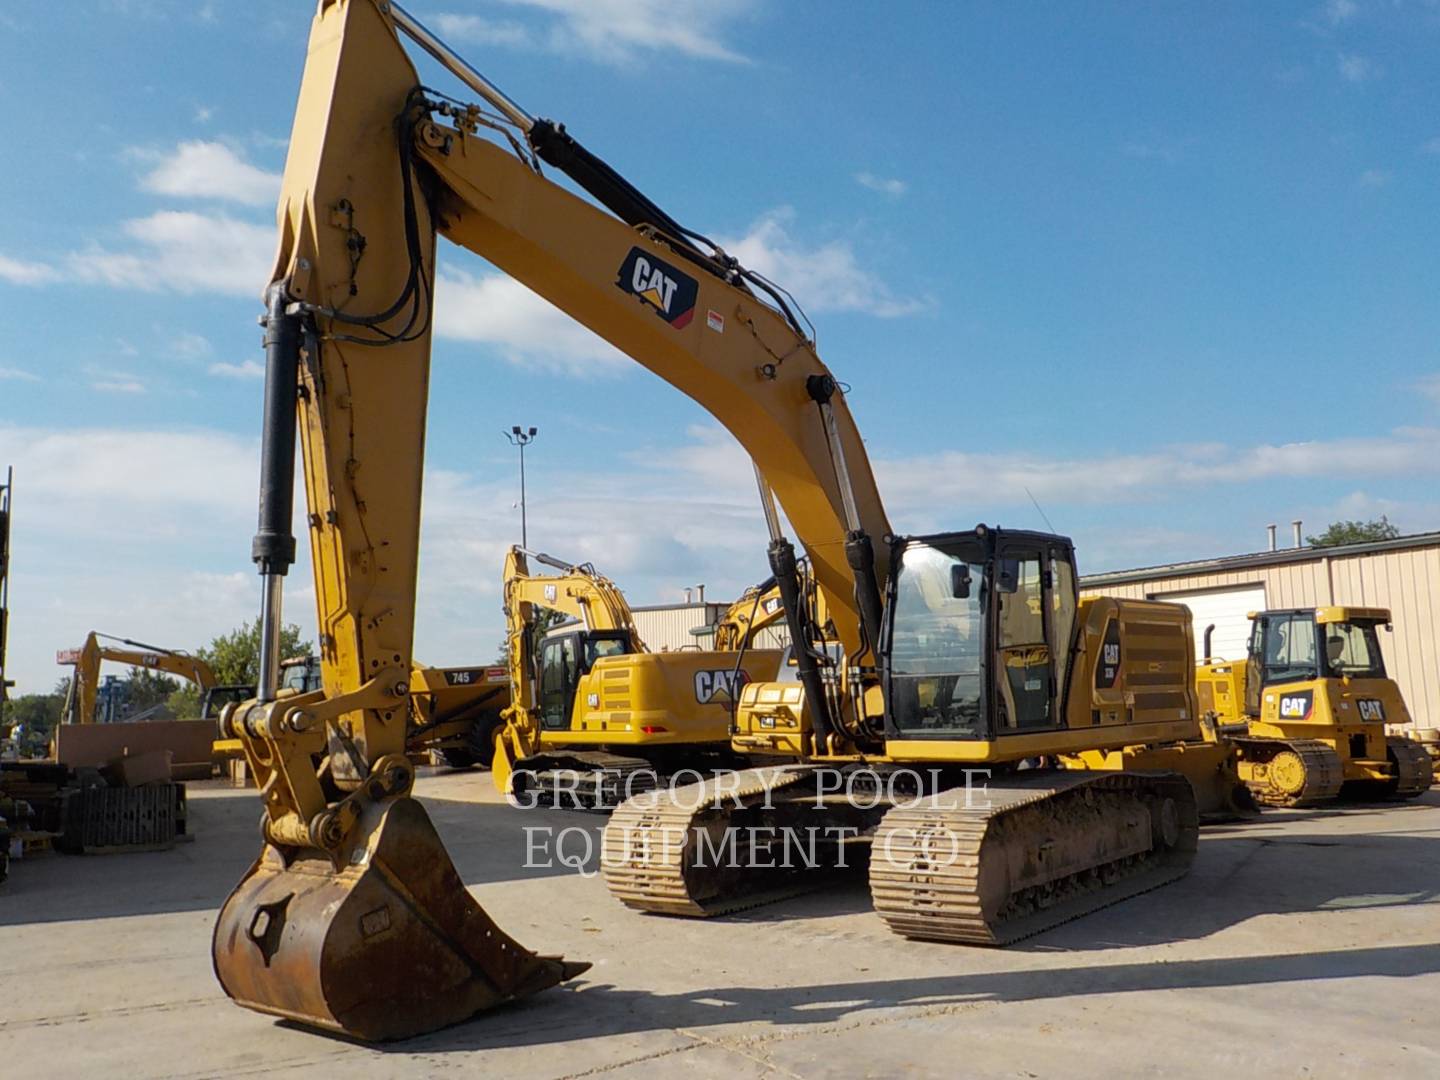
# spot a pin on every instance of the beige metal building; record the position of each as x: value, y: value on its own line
x: 1402, y: 575
x: 667, y: 627
x: 671, y: 627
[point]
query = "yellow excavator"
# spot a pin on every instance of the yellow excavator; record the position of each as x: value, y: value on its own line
x: 929, y: 663
x: 759, y: 608
x: 594, y: 715
x: 1308, y: 707
x: 80, y: 698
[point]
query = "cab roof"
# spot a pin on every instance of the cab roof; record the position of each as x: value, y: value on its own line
x: 1334, y: 613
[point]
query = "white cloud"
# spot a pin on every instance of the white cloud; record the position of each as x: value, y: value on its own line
x: 1374, y: 178
x: 612, y: 31
x: 23, y: 272
x: 190, y: 346
x: 1157, y: 148
x: 181, y: 504
x: 203, y: 114
x: 824, y: 278
x: 1336, y: 12
x: 1357, y: 69
x: 173, y: 505
x: 474, y: 30
x: 1429, y: 385
x: 246, y: 369
x: 884, y: 185
x: 185, y: 252
x: 105, y: 470
x: 496, y: 310
x: 210, y: 170
x: 108, y: 381
x: 954, y: 477
x: 18, y: 375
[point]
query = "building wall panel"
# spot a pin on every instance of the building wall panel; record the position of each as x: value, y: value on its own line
x: 1406, y: 581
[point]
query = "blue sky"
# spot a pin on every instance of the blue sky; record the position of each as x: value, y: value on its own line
x: 1171, y: 269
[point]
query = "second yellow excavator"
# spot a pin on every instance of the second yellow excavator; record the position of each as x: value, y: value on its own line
x: 80, y: 698
x: 594, y: 715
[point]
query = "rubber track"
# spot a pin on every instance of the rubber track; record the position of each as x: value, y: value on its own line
x: 920, y: 897
x: 1324, y: 772
x: 1414, y: 770
x: 646, y: 843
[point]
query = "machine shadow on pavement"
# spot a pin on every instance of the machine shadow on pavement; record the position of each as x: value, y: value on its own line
x: 486, y: 841
x: 596, y: 1010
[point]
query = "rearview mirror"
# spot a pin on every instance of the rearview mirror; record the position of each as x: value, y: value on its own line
x: 960, y: 581
x: 1007, y: 577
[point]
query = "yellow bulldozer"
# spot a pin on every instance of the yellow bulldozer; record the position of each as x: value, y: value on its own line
x: 1308, y: 708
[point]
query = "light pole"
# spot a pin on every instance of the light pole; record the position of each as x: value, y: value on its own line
x: 521, y: 437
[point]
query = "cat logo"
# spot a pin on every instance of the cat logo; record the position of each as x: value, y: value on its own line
x: 1296, y: 706
x: 657, y: 283
x: 771, y: 606
x: 1107, y: 671
x: 721, y: 685
x: 1371, y: 709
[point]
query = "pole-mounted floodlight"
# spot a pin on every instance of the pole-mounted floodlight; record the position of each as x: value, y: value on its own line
x: 522, y: 437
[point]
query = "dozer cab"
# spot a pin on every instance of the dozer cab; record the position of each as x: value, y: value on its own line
x: 1308, y: 709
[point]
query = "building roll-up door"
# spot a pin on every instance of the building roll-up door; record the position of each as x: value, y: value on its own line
x: 1227, y: 609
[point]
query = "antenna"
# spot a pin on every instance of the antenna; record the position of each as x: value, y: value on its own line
x: 1048, y: 524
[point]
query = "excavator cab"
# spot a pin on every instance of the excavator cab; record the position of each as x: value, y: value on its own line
x: 976, y: 623
x: 565, y: 659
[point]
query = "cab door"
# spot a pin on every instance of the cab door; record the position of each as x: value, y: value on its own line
x: 1026, y: 660
x: 559, y: 675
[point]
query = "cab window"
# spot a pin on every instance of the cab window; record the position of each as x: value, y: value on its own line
x: 937, y: 638
x: 1024, y: 650
x: 1288, y: 648
x: 1353, y: 650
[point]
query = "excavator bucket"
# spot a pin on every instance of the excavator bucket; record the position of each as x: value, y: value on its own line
x: 388, y: 947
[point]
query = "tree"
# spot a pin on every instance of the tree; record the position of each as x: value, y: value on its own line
x: 149, y: 688
x: 33, y: 717
x: 235, y: 660
x: 1354, y: 532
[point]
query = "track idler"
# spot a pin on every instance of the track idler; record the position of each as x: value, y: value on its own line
x: 389, y: 946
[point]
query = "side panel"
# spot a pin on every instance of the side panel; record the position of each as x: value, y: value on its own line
x: 1135, y: 666
x: 683, y: 697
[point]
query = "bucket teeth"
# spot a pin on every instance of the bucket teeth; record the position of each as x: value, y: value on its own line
x: 386, y: 948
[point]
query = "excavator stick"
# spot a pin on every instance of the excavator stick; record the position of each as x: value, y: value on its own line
x: 387, y: 947
x: 353, y: 919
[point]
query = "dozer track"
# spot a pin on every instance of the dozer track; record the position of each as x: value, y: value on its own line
x: 1414, y: 771
x: 1290, y: 772
x: 670, y: 852
x: 1044, y: 851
